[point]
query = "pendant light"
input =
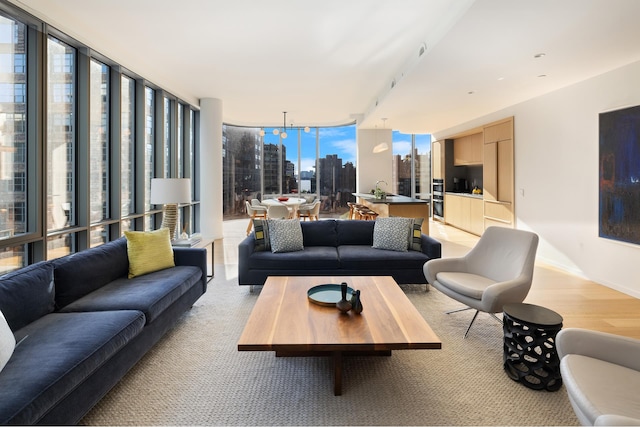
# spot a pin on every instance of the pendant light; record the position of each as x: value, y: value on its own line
x: 276, y: 131
x: 383, y: 146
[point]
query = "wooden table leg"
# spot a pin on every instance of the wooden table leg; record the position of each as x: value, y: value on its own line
x: 337, y: 373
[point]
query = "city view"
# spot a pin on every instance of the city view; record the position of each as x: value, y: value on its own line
x: 312, y: 163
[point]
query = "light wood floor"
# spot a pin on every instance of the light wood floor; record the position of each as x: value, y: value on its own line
x: 582, y: 303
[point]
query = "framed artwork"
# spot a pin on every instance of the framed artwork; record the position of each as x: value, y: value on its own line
x: 619, y: 179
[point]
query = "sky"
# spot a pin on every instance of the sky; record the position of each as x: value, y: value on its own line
x: 339, y: 140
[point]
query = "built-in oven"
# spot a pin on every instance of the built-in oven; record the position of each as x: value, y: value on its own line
x: 437, y: 199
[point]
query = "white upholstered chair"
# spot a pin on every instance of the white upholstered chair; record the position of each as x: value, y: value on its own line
x: 254, y: 212
x: 497, y: 271
x: 278, y: 212
x: 309, y: 210
x: 601, y: 373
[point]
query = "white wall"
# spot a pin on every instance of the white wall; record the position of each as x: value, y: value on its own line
x: 370, y: 166
x: 556, y: 176
x: 211, y: 167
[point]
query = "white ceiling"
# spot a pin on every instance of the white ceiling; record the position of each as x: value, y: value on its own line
x: 327, y: 62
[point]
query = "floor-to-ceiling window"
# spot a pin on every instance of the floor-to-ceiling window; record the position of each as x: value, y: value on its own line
x: 411, y: 167
x: 61, y: 147
x: 149, y: 149
x: 14, y: 179
x: 81, y: 136
x: 309, y: 162
x: 127, y: 150
x: 99, y: 177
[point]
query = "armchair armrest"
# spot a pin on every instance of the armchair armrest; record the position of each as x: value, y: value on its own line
x: 497, y: 295
x: 623, y: 351
x: 434, y: 266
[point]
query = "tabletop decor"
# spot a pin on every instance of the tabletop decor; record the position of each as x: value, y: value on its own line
x: 328, y: 294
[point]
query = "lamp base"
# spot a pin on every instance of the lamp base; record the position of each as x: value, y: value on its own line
x: 170, y: 218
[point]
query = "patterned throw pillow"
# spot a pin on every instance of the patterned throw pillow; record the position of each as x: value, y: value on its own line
x: 261, y: 234
x: 392, y: 233
x: 148, y: 251
x: 285, y: 235
x: 415, y: 237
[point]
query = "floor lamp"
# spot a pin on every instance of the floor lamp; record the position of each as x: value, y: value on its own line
x: 170, y: 192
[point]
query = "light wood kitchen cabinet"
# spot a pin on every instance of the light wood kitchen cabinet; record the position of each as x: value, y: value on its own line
x: 437, y: 160
x: 464, y: 212
x: 498, y: 174
x: 477, y: 217
x: 467, y: 150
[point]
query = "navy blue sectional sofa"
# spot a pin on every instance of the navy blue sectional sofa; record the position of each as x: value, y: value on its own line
x: 335, y: 247
x: 80, y: 324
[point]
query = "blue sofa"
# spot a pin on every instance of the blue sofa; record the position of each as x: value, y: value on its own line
x: 80, y: 324
x: 335, y: 247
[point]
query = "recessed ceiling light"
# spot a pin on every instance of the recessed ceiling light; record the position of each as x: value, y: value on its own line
x: 542, y: 75
x: 471, y: 92
x: 500, y: 79
x: 539, y: 55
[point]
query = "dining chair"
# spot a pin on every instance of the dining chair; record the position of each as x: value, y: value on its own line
x: 254, y: 212
x: 311, y: 211
x: 278, y: 212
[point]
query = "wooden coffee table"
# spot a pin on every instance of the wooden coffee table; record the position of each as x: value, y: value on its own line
x: 285, y: 321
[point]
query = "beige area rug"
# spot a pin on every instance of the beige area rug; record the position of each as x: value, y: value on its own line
x: 196, y: 376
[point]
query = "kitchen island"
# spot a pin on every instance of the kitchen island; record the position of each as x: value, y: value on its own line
x: 402, y: 206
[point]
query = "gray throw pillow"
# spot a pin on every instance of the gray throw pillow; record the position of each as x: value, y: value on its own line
x: 392, y: 233
x: 285, y: 235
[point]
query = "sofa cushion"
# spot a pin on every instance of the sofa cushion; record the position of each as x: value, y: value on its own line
x: 320, y: 233
x: 58, y: 353
x: 27, y: 294
x: 78, y: 274
x: 285, y: 235
x: 392, y: 233
x: 360, y: 257
x: 7, y: 342
x: 151, y: 293
x: 311, y: 258
x: 261, y: 234
x: 148, y: 251
x: 355, y: 232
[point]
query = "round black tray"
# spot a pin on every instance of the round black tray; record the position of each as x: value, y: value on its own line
x: 328, y: 294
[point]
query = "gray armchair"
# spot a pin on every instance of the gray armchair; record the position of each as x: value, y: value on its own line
x: 497, y: 271
x: 601, y: 373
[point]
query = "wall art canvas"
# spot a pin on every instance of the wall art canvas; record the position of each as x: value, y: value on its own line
x: 619, y: 212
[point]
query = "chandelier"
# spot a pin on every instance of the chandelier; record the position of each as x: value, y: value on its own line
x: 283, y: 132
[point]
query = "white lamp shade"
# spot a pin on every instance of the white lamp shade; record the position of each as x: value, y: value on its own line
x: 170, y: 190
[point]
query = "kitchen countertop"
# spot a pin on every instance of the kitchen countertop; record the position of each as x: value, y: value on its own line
x: 474, y: 196
x: 390, y: 200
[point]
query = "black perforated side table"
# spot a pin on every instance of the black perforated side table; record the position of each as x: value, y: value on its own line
x: 529, y: 346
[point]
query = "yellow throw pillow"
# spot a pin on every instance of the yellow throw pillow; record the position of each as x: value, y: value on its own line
x: 148, y: 251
